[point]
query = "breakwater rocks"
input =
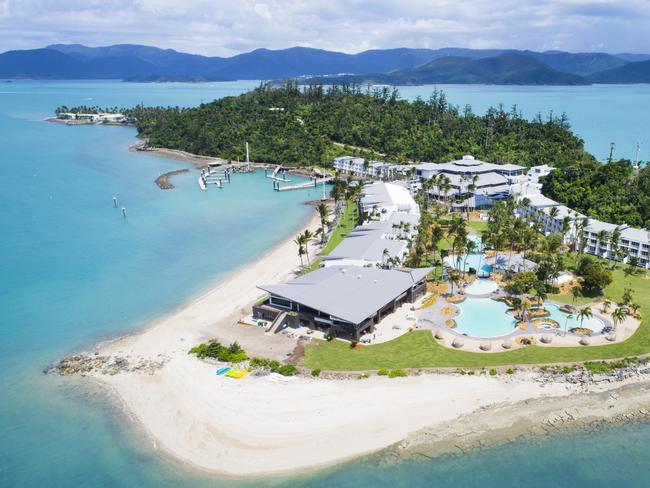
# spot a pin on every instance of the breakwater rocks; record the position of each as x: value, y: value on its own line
x: 83, y: 365
x: 164, y: 180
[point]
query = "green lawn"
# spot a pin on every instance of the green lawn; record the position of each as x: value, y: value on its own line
x: 478, y: 225
x: 419, y: 349
x: 346, y: 224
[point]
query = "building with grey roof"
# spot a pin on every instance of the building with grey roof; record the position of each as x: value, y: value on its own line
x: 610, y: 241
x: 349, y: 300
x: 472, y: 183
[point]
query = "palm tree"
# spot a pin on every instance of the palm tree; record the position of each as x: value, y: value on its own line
x: 300, y: 241
x: 635, y: 308
x: 470, y: 247
x: 566, y: 322
x: 307, y: 237
x: 576, y: 292
x: 614, y: 241
x: 602, y: 237
x: 618, y: 316
x: 323, y: 212
x: 606, y: 305
x: 584, y: 313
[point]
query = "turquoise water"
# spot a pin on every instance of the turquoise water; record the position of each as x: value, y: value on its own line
x: 560, y: 317
x: 484, y: 317
x: 481, y: 287
x: 74, y: 272
x: 476, y: 261
x: 599, y: 114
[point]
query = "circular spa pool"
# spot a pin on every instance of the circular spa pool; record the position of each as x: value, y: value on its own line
x: 482, y: 287
x: 484, y: 317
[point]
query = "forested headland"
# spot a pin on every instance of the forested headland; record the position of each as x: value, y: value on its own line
x: 309, y: 125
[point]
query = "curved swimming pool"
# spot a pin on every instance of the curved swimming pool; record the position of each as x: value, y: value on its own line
x: 484, y: 317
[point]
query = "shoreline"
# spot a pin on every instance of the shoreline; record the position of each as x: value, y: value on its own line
x: 266, y: 426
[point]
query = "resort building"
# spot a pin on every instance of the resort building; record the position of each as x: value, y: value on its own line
x: 382, y: 244
x: 348, y: 300
x: 369, y: 169
x: 380, y: 200
x: 610, y: 241
x: 472, y: 183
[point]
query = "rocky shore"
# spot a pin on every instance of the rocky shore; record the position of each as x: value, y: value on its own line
x: 164, y: 180
x: 96, y: 364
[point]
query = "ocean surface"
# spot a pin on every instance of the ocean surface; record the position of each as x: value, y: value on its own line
x: 73, y: 272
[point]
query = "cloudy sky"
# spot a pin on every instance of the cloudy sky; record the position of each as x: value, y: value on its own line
x: 226, y: 27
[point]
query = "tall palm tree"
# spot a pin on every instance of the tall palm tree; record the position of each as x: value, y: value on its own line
x: 307, y: 236
x: 615, y: 241
x: 323, y: 213
x: 566, y: 322
x: 584, y: 313
x: 470, y: 247
x: 602, y: 237
x: 618, y: 316
x: 300, y: 242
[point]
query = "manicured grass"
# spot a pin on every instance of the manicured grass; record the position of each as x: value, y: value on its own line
x: 346, y: 224
x: 419, y: 349
x: 478, y: 225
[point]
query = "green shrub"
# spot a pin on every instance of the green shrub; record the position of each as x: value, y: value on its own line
x: 397, y: 373
x: 315, y: 372
x: 329, y: 336
x: 382, y: 372
x: 493, y: 372
x: 568, y: 369
x: 273, y: 366
x: 510, y: 371
x: 353, y: 344
x: 232, y: 354
x: 604, y: 367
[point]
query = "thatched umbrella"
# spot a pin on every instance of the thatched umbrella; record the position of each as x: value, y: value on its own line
x: 457, y: 343
x: 507, y: 344
x: 611, y: 337
x: 584, y: 341
x: 546, y: 339
x: 485, y: 346
x: 438, y: 335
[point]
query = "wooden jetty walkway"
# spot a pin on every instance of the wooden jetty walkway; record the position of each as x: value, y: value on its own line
x: 313, y: 182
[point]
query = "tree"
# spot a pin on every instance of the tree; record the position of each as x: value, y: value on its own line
x: 307, y: 237
x: 323, y: 212
x: 618, y: 316
x: 300, y: 242
x: 576, y: 292
x: 594, y: 276
x: 522, y: 283
x: 584, y: 313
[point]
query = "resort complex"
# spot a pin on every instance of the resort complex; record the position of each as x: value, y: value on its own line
x: 346, y: 300
x: 609, y: 241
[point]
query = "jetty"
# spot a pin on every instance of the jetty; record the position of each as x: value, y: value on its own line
x: 215, y: 175
x: 278, y: 174
x: 313, y: 182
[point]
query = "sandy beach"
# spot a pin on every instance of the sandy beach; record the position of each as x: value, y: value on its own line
x: 262, y: 425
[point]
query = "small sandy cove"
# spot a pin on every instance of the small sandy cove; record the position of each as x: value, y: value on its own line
x: 264, y: 425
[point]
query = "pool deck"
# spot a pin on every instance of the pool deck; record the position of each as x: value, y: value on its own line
x: 432, y: 318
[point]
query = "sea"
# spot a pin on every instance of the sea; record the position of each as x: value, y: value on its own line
x: 75, y: 271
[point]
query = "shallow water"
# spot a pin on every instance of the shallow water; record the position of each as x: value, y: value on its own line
x: 74, y: 272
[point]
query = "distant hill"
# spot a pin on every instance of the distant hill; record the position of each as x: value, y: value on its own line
x: 454, y: 65
x: 505, y: 69
x: 638, y: 72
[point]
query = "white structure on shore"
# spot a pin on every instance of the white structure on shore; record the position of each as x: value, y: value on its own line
x: 602, y: 239
x: 380, y: 200
x: 98, y: 117
x: 472, y: 183
x: 391, y: 217
x: 368, y: 169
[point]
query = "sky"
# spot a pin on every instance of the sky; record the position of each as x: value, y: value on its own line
x: 227, y: 27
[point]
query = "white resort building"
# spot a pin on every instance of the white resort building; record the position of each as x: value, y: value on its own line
x: 472, y: 183
x: 616, y: 242
x: 368, y: 169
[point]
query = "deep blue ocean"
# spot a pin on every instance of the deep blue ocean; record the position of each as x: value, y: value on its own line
x: 74, y: 272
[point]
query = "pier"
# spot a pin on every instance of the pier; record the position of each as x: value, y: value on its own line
x: 279, y: 170
x: 314, y: 182
x: 216, y: 175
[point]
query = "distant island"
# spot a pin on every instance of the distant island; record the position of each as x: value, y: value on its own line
x: 400, y: 66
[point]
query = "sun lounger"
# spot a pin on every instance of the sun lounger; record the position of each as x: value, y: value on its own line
x: 223, y: 371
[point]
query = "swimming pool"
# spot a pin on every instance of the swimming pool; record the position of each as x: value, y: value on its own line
x: 560, y: 317
x: 483, y: 317
x: 476, y: 261
x: 482, y: 287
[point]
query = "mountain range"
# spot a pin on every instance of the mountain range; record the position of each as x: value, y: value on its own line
x: 391, y: 66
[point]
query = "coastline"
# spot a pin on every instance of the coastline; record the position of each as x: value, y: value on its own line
x: 263, y: 426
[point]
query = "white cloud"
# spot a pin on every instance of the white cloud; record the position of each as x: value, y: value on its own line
x: 226, y: 27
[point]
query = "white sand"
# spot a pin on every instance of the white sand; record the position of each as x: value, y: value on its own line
x: 255, y: 425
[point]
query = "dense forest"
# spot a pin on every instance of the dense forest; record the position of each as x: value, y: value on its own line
x: 309, y: 125
x: 612, y: 191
